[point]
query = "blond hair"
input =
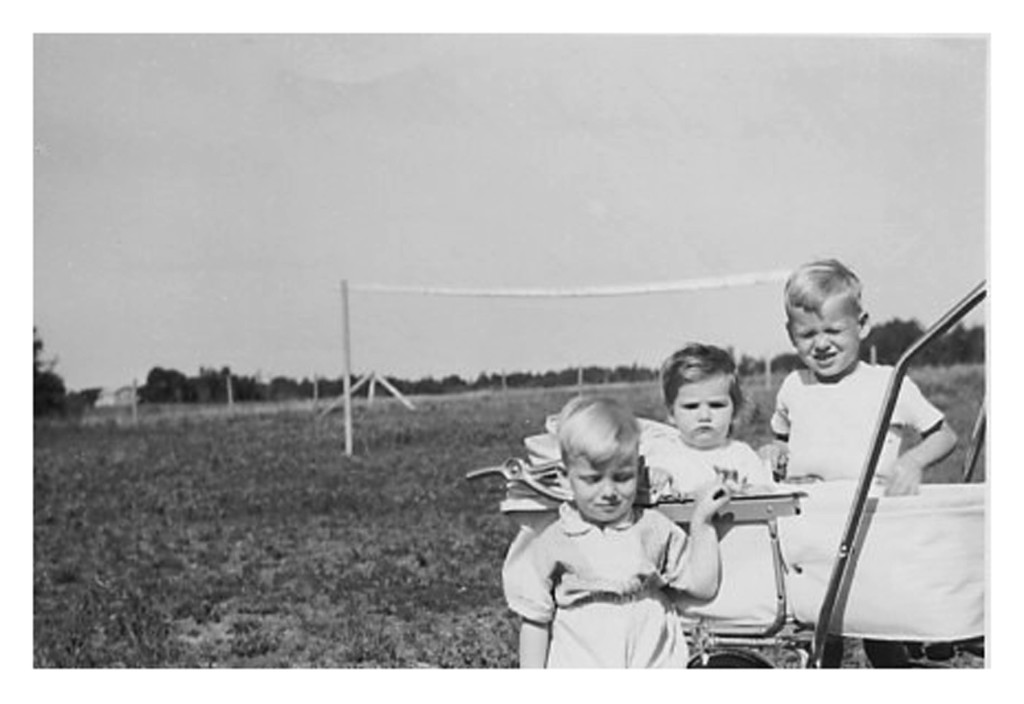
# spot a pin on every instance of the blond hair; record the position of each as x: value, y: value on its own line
x: 812, y: 284
x: 598, y: 430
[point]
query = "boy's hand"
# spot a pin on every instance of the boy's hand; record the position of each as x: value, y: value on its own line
x: 710, y: 499
x: 905, y: 479
x: 776, y: 456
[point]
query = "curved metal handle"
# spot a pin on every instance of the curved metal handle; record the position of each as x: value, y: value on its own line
x: 517, y: 470
x: 977, y: 440
x: 487, y: 472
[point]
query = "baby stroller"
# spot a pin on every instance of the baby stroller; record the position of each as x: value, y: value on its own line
x: 908, y: 569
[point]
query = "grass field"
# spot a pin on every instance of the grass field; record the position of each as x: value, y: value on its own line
x: 249, y: 540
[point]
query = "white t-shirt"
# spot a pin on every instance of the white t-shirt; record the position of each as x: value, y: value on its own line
x: 830, y: 424
x: 691, y: 468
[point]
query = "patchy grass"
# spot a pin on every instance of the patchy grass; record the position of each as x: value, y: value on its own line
x: 251, y: 541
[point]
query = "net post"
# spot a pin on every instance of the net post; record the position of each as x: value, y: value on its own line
x: 135, y: 401
x: 347, y: 367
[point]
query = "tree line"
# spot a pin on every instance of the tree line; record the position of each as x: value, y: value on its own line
x: 886, y: 342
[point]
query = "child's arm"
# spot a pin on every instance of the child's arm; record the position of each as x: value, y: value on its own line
x: 534, y: 638
x: 906, y: 473
x: 776, y: 454
x: 703, y: 562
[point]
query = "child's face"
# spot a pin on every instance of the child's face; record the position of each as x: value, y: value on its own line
x: 829, y: 342
x: 703, y: 412
x: 603, y: 494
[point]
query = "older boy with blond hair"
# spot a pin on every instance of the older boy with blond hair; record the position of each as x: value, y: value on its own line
x: 825, y: 415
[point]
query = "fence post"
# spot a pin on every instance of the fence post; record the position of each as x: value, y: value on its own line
x: 135, y: 402
x: 347, y: 364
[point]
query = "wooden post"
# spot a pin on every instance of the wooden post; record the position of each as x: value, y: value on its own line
x: 316, y: 391
x: 372, y: 388
x: 874, y: 354
x: 135, y: 402
x: 394, y: 392
x: 347, y: 364
x: 231, y: 392
x: 504, y: 382
x: 768, y: 372
x: 579, y: 380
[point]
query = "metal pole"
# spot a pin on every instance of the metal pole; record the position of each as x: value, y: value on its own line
x: 974, y: 451
x: 347, y: 367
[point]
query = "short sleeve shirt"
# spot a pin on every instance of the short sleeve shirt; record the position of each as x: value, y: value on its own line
x: 572, y: 561
x: 690, y: 468
x: 602, y: 589
x: 830, y: 425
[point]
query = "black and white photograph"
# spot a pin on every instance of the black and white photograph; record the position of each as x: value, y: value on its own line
x: 492, y: 350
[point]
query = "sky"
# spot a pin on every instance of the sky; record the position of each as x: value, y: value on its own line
x: 199, y: 198
x: 196, y: 201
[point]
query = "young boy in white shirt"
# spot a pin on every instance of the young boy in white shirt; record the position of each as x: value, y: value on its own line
x: 825, y: 415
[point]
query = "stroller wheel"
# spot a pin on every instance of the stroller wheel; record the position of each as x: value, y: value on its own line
x: 939, y: 651
x: 730, y: 659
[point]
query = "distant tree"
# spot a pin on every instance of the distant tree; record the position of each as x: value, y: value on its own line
x: 625, y: 373
x: 487, y: 381
x: 960, y: 345
x: 749, y: 366
x: 49, y: 395
x: 894, y: 337
x: 77, y: 402
x: 284, y: 389
x: 426, y: 385
x: 891, y: 339
x: 331, y: 388
x: 786, y: 362
x: 566, y: 377
x: 210, y: 386
x: 89, y: 396
x: 249, y: 388
x: 166, y: 386
x: 453, y: 384
x: 551, y: 379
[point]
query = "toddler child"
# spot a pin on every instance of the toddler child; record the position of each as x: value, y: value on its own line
x: 702, y: 394
x: 593, y: 588
x: 825, y: 414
